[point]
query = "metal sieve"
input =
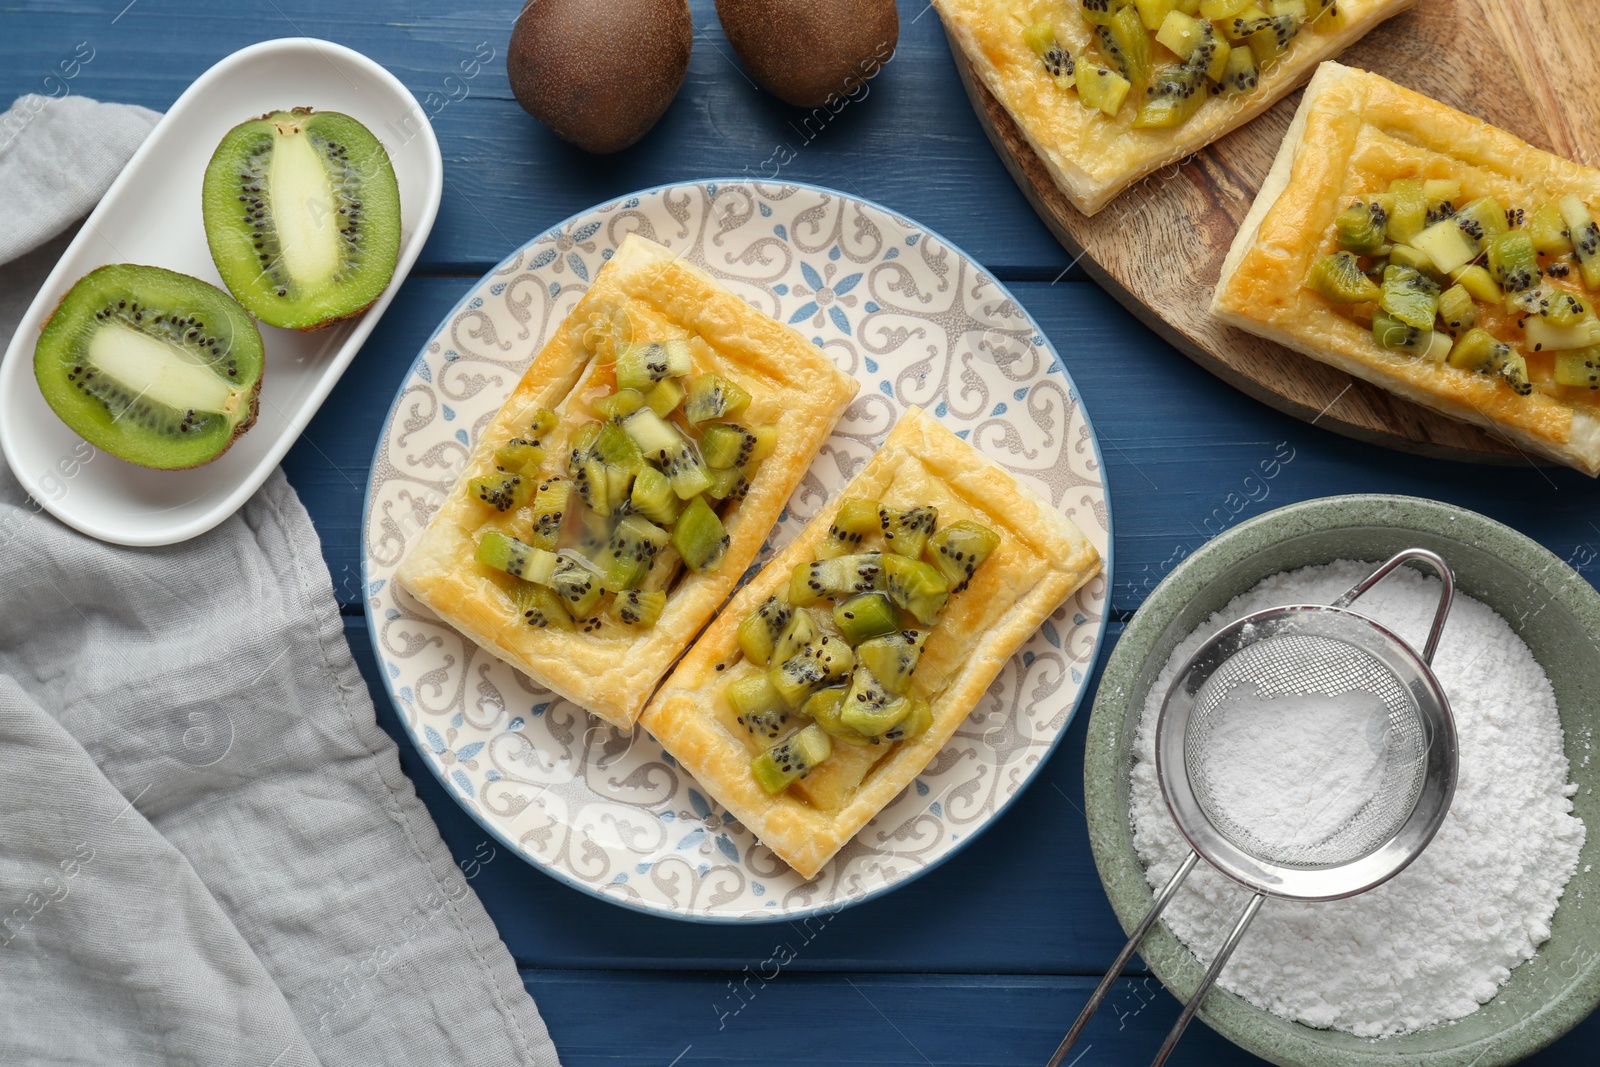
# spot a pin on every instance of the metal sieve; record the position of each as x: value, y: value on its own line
x: 1302, y: 651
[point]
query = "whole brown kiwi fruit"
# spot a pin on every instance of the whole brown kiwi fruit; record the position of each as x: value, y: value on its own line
x: 806, y: 51
x: 599, y: 72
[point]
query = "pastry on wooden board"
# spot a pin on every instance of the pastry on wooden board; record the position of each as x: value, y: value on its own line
x: 1432, y: 254
x: 1033, y: 560
x: 1048, y: 62
x: 626, y: 598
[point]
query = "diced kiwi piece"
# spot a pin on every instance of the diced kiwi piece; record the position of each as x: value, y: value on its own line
x: 915, y: 722
x: 519, y: 456
x: 1101, y: 12
x: 906, y: 532
x: 1273, y: 40
x: 1339, y: 278
x: 1175, y: 94
x: 1297, y: 8
x: 730, y: 485
x: 506, y: 553
x: 699, y: 536
x: 616, y: 449
x: 588, y: 470
x: 550, y: 505
x: 1151, y: 13
x: 1240, y: 75
x: 1549, y: 230
x: 726, y: 445
x: 542, y: 422
x: 1101, y: 87
x: 577, y: 583
x: 960, y: 548
x: 1409, y: 297
x: 1478, y: 350
x: 1545, y: 336
x: 652, y: 497
x: 855, y: 519
x: 1564, y: 309
x: 1446, y: 245
x: 1406, y: 256
x: 1408, y: 209
x: 1579, y: 368
x: 1514, y: 370
x: 1057, y: 61
x: 1398, y: 336
x: 916, y: 586
x: 865, y: 615
x: 664, y: 396
x: 641, y: 365
x: 752, y: 692
x: 302, y: 215
x: 661, y: 443
x: 540, y: 607
x: 892, y: 657
x: 1361, y: 227
x: 1456, y: 309
x: 150, y: 365
x: 618, y: 404
x: 798, y: 634
x: 630, y: 551
x: 870, y: 709
x: 1441, y: 192
x: 711, y: 396
x: 637, y: 607
x: 503, y: 492
x: 1479, y: 282
x: 841, y: 576
x: 594, y: 530
x: 824, y: 707
x: 1182, y: 34
x: 791, y: 759
x: 813, y: 667
x: 1513, y: 261
x: 1482, y: 220
x: 1251, y: 19
x: 1126, y: 45
x: 1217, y: 10
x: 1584, y: 234
x: 759, y: 632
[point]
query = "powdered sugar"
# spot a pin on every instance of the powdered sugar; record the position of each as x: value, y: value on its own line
x: 1294, y: 770
x: 1437, y: 940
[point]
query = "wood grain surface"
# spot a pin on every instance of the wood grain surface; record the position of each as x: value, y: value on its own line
x: 1158, y: 247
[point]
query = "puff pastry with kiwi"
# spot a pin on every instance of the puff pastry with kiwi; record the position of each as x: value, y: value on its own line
x: 838, y: 673
x: 1432, y: 254
x: 1108, y: 91
x: 628, y: 481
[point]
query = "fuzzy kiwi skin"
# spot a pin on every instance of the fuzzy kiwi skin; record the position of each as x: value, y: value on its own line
x: 811, y: 52
x: 599, y: 74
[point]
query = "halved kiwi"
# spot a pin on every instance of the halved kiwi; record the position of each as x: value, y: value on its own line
x: 302, y: 214
x: 157, y: 367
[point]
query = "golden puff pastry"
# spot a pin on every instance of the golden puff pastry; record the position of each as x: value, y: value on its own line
x: 1091, y: 156
x: 655, y: 296
x: 1354, y: 134
x: 1041, y: 560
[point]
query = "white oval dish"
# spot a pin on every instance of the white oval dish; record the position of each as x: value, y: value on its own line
x: 608, y: 811
x: 151, y: 215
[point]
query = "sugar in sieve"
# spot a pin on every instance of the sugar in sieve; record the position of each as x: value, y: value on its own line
x: 1302, y: 653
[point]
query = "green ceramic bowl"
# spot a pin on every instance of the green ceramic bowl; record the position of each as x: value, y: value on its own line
x: 1550, y: 606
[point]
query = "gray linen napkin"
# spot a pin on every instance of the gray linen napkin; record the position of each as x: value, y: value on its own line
x: 208, y: 851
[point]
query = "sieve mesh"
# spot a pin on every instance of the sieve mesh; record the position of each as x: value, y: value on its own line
x: 1304, y: 665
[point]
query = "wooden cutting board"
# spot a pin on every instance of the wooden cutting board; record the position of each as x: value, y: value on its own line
x: 1528, y: 66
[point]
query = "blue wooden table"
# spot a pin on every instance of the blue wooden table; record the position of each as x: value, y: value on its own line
x: 986, y: 959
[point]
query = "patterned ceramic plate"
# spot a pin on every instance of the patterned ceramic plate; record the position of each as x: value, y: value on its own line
x: 918, y: 323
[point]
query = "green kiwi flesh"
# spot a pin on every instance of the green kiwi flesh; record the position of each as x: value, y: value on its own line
x: 302, y: 213
x: 150, y: 365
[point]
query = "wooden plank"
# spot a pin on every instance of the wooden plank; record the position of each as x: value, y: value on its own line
x: 911, y: 142
x: 948, y: 920
x: 1184, y: 452
x: 912, y: 1020
x: 1159, y: 247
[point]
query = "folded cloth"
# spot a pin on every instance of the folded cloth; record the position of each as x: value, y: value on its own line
x: 208, y: 851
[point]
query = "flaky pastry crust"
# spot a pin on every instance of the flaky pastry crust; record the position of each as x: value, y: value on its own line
x: 794, y: 388
x: 1091, y: 156
x: 1042, y: 559
x: 1356, y: 132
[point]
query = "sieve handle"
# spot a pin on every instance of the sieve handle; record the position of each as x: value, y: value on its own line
x: 1446, y: 576
x: 1205, y: 983
x: 1115, y: 971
